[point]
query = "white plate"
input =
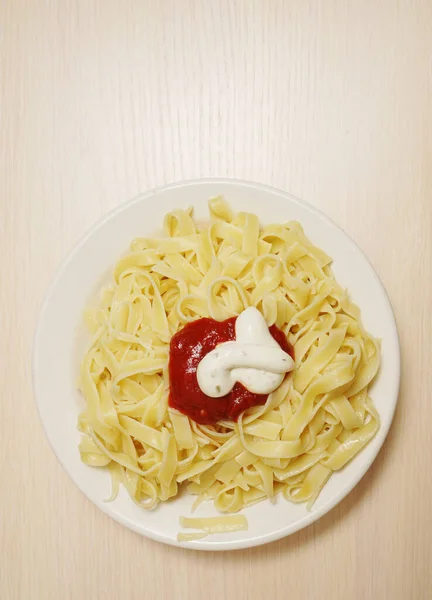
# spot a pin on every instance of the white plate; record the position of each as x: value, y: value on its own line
x: 60, y: 339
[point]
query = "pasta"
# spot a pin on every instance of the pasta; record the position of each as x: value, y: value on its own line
x: 211, y: 525
x: 216, y: 524
x: 313, y: 424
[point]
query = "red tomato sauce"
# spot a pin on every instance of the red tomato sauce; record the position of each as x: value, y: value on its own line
x: 188, y: 347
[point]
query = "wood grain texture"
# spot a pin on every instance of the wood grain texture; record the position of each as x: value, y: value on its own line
x: 103, y: 99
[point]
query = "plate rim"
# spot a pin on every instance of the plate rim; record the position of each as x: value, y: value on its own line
x: 311, y: 517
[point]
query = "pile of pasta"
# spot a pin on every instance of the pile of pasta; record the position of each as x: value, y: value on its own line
x: 313, y: 424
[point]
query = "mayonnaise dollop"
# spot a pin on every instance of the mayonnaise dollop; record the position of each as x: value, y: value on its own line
x: 255, y: 360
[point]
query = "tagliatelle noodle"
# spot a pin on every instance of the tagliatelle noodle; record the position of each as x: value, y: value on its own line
x: 313, y: 424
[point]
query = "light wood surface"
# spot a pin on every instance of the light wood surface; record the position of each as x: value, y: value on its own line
x: 103, y: 99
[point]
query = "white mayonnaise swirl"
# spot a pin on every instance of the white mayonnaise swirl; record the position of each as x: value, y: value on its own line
x: 255, y: 360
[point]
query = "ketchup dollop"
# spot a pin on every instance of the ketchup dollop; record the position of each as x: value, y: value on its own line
x: 188, y: 347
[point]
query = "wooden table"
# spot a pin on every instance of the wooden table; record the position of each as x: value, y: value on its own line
x: 103, y: 99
